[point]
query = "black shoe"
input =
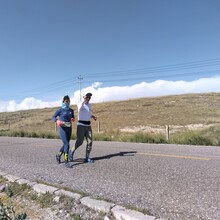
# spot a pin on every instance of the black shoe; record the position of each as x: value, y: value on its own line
x: 58, y: 159
x: 68, y: 165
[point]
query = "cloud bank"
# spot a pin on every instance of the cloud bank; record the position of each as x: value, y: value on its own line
x: 116, y: 93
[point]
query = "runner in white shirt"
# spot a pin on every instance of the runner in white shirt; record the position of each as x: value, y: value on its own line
x: 84, y: 128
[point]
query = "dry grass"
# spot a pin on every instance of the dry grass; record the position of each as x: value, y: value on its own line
x: 195, y: 110
x: 169, y: 110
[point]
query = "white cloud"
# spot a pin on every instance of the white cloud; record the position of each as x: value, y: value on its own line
x: 27, y: 103
x: 114, y: 93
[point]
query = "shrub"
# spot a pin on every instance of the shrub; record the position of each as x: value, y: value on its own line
x: 191, y: 138
x: 45, y: 200
x: 8, y: 213
x: 141, y: 137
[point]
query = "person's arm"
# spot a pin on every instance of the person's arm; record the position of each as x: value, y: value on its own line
x: 72, y: 119
x: 92, y: 116
x: 54, y: 117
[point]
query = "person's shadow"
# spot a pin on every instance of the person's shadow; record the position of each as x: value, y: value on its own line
x: 109, y: 156
x: 120, y: 154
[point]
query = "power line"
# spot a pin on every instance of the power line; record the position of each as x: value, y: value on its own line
x: 133, y: 78
x: 166, y: 68
x: 52, y: 87
x: 156, y: 72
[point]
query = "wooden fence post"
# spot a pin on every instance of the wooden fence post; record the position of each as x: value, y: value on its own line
x: 98, y: 126
x: 167, y: 132
x: 55, y: 127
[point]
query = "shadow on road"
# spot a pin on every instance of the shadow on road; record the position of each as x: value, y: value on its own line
x: 120, y: 154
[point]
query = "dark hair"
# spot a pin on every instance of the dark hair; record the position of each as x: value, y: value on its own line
x: 66, y: 97
x: 88, y: 94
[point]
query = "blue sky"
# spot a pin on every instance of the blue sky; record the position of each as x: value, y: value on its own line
x: 121, y: 48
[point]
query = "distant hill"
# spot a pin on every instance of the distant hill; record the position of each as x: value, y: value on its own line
x: 144, y: 114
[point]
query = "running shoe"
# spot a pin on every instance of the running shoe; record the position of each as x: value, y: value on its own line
x: 88, y: 160
x: 71, y: 156
x: 58, y: 159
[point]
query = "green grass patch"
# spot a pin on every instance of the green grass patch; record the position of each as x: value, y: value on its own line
x: 45, y: 200
x: 30, y: 134
x: 141, y: 137
x: 207, y: 137
x: 191, y: 138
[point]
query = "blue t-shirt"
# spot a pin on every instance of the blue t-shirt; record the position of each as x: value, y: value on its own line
x: 64, y: 114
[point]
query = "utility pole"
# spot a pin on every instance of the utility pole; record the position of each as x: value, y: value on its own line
x: 80, y: 78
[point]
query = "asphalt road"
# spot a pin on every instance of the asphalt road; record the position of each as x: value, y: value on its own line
x: 171, y: 181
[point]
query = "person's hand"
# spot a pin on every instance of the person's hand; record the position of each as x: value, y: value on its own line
x: 59, y: 123
x: 72, y: 119
x: 94, y: 117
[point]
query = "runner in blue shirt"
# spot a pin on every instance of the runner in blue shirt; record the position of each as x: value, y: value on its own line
x: 64, y: 118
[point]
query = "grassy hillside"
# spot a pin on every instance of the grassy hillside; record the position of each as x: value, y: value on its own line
x: 144, y: 114
x: 167, y: 110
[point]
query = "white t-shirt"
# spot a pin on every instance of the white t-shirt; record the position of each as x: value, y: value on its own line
x: 84, y: 112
